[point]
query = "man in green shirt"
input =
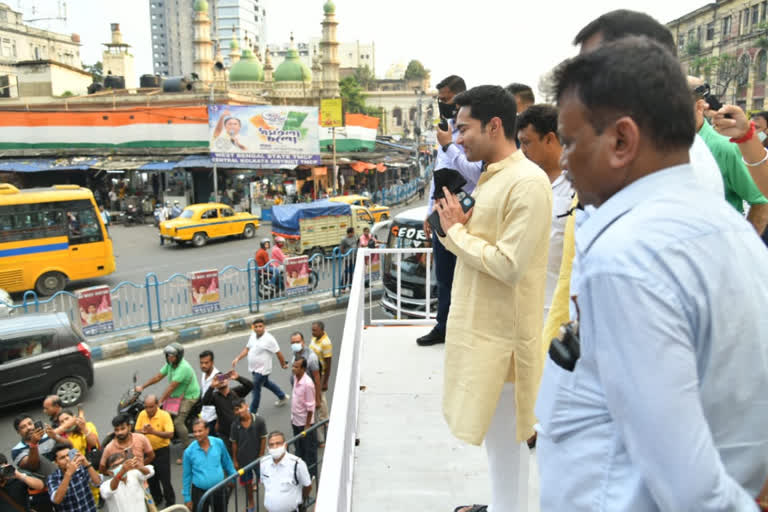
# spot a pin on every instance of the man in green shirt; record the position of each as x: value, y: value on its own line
x: 182, y: 385
x: 739, y: 186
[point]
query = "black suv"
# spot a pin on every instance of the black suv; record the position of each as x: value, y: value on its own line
x: 41, y: 355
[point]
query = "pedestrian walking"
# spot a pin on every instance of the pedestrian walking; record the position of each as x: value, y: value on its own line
x: 206, y: 463
x: 286, y: 480
x: 493, y: 362
x: 157, y: 425
x: 659, y: 248
x: 248, y: 437
x: 182, y: 392
x: 300, y: 349
x: 302, y: 415
x: 105, y: 218
x: 261, y: 347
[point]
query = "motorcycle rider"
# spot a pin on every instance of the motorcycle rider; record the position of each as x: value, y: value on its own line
x: 262, y: 255
x: 183, y: 387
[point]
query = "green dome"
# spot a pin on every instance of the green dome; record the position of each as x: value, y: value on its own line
x: 329, y: 7
x: 233, y: 45
x: 292, y: 69
x: 201, y: 6
x: 247, y: 69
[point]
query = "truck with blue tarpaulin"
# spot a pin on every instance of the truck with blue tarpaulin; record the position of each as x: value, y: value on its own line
x: 319, y: 226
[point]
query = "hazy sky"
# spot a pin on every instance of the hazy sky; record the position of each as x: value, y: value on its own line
x: 485, y: 41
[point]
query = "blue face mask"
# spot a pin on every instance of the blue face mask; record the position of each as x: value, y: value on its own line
x: 117, y: 469
x: 296, y: 347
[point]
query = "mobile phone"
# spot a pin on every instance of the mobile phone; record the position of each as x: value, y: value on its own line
x: 7, y: 471
x: 465, y: 200
x: 73, y: 453
x: 128, y: 454
x: 39, y: 425
x: 443, y: 124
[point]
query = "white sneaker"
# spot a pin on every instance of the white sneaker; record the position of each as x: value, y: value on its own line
x: 282, y: 402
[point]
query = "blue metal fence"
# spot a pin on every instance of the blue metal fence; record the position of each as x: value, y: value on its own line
x: 154, y: 303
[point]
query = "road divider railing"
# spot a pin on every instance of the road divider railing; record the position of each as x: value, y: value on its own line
x: 156, y: 303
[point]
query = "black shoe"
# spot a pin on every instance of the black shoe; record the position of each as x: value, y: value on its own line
x: 434, y: 337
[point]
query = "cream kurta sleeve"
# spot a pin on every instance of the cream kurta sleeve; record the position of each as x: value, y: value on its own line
x: 525, y: 218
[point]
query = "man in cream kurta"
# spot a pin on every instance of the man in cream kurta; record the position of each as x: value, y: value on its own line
x: 493, y: 354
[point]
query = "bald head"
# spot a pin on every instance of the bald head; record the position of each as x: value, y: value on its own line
x: 151, y: 405
x: 52, y: 406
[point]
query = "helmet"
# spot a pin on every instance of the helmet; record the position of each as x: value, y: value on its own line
x: 175, y: 203
x: 279, y: 240
x: 263, y: 242
x: 167, y: 203
x: 174, y: 349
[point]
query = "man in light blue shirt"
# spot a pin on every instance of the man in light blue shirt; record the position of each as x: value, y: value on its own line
x: 206, y: 463
x: 664, y: 408
x: 449, y: 156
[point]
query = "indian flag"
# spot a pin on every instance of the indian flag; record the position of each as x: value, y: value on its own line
x: 358, y: 134
x: 137, y: 127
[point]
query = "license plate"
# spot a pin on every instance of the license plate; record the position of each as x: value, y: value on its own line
x: 406, y: 292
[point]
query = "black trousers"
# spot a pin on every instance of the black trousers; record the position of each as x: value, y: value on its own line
x: 160, y: 485
x: 216, y: 501
x: 305, y: 448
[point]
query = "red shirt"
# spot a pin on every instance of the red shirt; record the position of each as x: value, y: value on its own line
x: 262, y: 257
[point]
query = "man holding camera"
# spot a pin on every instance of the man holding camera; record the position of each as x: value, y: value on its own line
x: 450, y: 156
x: 68, y: 486
x: 222, y: 397
x: 493, y: 353
x: 15, y: 486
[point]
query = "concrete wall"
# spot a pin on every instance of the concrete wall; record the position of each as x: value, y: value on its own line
x: 405, y: 101
x: 51, y: 80
x: 121, y: 65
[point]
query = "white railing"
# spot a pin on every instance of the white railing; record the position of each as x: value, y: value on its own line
x: 336, y: 479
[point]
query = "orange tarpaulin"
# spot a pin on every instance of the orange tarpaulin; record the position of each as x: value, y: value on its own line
x: 380, y: 167
x: 319, y: 171
x: 362, y: 166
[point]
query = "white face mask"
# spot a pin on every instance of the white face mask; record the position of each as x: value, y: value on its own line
x: 278, y: 452
x: 117, y: 469
x: 296, y: 347
x: 761, y: 136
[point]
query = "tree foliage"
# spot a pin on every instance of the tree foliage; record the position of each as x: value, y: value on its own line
x: 719, y: 71
x: 415, y: 71
x: 352, y: 99
x: 365, y: 78
x: 96, y: 71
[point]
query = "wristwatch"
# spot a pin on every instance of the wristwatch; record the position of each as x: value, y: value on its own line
x: 446, y: 146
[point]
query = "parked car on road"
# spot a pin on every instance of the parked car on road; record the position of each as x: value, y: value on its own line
x: 201, y: 222
x: 41, y: 355
x: 378, y: 211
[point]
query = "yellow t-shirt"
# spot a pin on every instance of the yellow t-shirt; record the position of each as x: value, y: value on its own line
x: 80, y: 443
x: 161, y: 422
x: 322, y: 348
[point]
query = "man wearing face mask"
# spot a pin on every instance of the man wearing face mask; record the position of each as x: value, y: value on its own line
x: 285, y: 477
x: 300, y: 349
x: 449, y: 156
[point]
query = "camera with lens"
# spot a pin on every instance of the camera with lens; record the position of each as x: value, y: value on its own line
x: 7, y: 471
x: 39, y: 425
x: 566, y: 349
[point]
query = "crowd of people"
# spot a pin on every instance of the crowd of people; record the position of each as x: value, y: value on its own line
x: 61, y: 464
x: 602, y: 304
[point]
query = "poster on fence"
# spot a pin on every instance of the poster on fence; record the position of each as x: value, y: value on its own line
x: 95, y: 305
x: 296, y: 275
x: 373, y: 267
x: 265, y: 136
x: 205, y: 291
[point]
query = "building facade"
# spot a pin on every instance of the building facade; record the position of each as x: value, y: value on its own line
x: 172, y: 24
x: 23, y: 43
x: 726, y: 43
x: 117, y: 58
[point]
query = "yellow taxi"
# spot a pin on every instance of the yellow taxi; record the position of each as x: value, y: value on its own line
x: 378, y: 211
x: 199, y: 223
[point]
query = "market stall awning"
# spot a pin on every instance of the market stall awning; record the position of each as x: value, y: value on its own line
x: 158, y: 166
x: 319, y: 171
x: 362, y: 166
x: 380, y: 167
x: 47, y: 164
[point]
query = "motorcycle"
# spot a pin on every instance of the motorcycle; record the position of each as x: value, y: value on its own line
x: 132, y: 403
x: 133, y: 215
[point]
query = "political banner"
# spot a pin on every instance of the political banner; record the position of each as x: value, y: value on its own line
x: 331, y: 115
x: 263, y: 135
x: 373, y: 267
x: 95, y: 305
x: 296, y: 275
x: 205, y: 291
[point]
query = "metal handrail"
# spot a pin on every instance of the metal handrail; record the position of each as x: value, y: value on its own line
x: 253, y: 464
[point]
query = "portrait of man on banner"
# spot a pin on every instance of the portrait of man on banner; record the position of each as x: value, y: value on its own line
x: 95, y: 307
x: 205, y: 291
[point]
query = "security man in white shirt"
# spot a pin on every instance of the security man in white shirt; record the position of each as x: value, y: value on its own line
x: 285, y: 477
x: 207, y: 373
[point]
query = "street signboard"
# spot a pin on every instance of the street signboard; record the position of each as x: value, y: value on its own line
x: 331, y: 115
x: 264, y: 136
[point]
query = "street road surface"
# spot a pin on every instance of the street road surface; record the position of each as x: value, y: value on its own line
x: 113, y: 378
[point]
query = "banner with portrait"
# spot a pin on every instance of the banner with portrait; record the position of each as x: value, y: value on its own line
x: 95, y: 306
x: 263, y: 135
x: 296, y: 272
x: 205, y: 291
